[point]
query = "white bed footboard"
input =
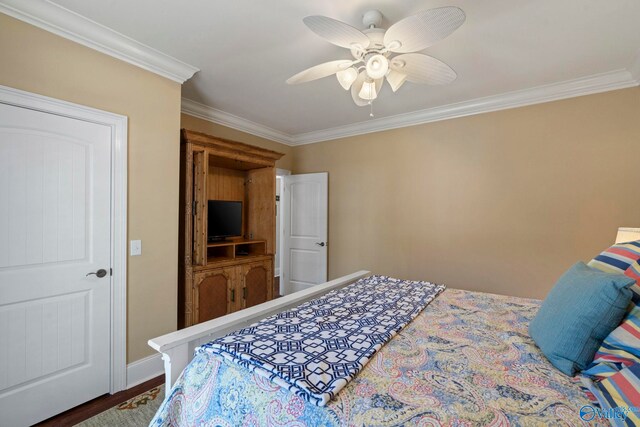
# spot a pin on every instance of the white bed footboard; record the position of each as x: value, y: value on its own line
x: 177, y: 347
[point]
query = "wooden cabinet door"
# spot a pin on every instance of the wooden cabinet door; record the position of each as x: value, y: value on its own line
x: 257, y: 282
x: 213, y: 293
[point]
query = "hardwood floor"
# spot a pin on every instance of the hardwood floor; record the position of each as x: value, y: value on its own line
x: 93, y: 407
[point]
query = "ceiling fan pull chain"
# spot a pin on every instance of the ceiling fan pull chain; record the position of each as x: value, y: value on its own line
x: 371, y: 108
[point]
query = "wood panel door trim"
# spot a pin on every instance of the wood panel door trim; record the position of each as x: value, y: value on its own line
x: 200, y: 162
x: 118, y: 125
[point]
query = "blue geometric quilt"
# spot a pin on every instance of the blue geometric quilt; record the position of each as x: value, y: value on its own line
x: 315, y: 349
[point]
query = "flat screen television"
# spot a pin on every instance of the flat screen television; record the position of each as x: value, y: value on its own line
x: 224, y: 220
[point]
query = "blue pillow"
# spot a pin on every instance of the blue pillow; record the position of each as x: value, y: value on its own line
x: 580, y: 311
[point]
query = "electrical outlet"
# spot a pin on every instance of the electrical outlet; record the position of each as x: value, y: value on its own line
x: 136, y: 248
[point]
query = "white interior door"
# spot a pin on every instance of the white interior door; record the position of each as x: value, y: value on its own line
x: 55, y: 195
x: 304, y: 255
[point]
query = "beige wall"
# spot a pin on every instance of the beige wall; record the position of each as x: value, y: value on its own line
x: 500, y: 202
x: 199, y: 125
x: 40, y: 62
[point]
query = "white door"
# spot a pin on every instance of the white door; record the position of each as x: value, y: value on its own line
x: 304, y: 255
x: 55, y: 192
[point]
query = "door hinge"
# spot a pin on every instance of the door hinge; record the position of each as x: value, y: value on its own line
x: 111, y: 272
x: 194, y: 207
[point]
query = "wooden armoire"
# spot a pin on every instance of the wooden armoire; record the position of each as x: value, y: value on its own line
x: 222, y: 277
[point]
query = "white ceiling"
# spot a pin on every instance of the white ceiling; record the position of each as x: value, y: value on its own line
x: 246, y: 49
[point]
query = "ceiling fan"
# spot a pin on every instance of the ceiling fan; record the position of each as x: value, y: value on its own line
x: 380, y: 53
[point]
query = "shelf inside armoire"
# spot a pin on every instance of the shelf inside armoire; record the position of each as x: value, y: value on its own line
x: 234, y: 249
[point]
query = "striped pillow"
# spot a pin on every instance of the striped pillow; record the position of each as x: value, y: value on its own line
x: 614, y: 375
x: 620, y: 349
x: 621, y: 390
x: 618, y: 259
x: 634, y: 271
x: 623, y: 258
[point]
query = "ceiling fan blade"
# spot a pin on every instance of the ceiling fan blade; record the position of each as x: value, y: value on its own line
x: 420, y: 31
x: 320, y: 71
x: 336, y: 32
x: 396, y: 79
x: 421, y: 68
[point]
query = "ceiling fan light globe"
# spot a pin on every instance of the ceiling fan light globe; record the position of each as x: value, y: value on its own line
x: 377, y: 66
x: 368, y: 91
x: 347, y: 77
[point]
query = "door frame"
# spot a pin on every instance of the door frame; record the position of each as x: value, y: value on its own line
x: 119, y: 126
x: 280, y: 173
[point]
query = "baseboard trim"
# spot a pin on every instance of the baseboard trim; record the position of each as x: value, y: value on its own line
x: 144, y: 369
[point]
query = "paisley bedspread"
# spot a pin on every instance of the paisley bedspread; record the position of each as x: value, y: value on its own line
x: 466, y: 360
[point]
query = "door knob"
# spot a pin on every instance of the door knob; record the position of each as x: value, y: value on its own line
x: 320, y: 243
x: 100, y: 273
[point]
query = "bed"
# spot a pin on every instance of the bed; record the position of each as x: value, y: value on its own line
x: 467, y: 359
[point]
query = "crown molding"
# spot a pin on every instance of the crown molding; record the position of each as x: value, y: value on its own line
x: 618, y: 79
x: 613, y: 80
x: 220, y: 117
x: 65, y: 23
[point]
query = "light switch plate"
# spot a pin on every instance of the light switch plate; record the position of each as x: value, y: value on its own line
x: 136, y: 248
